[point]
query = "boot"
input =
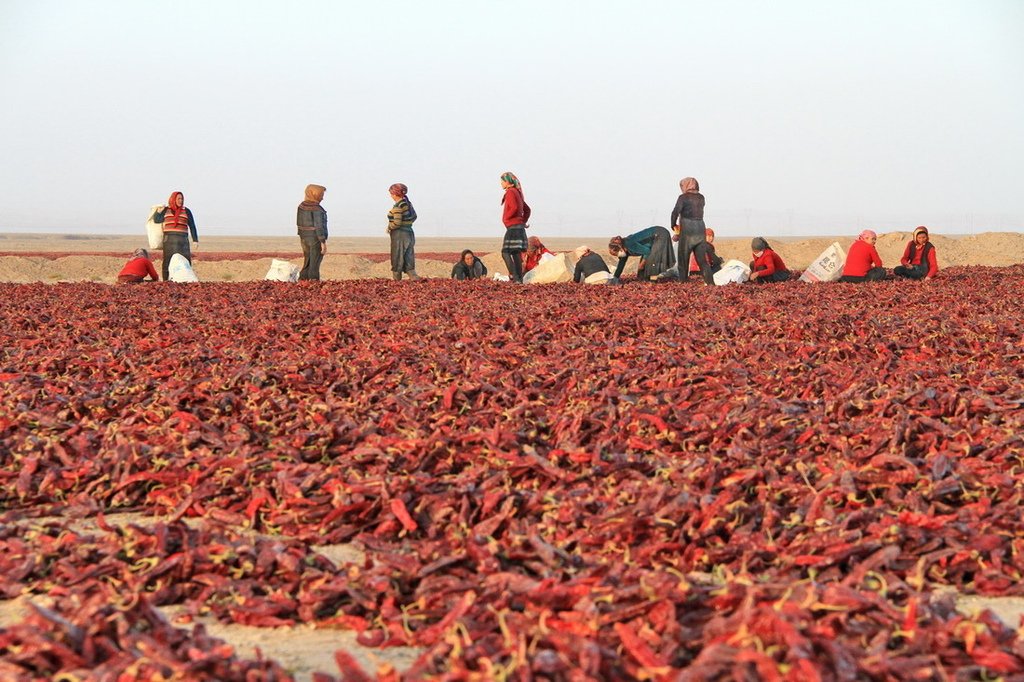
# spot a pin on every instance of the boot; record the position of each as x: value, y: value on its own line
x: 397, y: 276
x: 413, y: 277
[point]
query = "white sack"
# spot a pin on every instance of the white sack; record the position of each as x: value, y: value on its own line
x: 180, y: 270
x: 554, y: 269
x: 283, y: 271
x: 732, y: 272
x: 154, y: 230
x: 828, y: 267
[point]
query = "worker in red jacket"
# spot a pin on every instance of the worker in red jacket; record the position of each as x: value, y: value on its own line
x: 863, y: 264
x: 535, y: 249
x: 918, y: 258
x: 136, y: 269
x: 767, y: 265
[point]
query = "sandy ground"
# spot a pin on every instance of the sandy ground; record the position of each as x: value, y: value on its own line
x: 72, y: 258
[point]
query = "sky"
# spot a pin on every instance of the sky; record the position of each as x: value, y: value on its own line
x: 797, y: 117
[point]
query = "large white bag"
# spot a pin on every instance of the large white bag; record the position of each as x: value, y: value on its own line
x: 554, y: 269
x: 155, y: 231
x: 599, y: 277
x: 180, y: 270
x: 828, y: 267
x: 732, y: 272
x: 282, y: 271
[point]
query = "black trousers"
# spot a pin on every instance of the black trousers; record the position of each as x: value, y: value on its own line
x: 693, y: 239
x: 311, y: 256
x: 874, y: 275
x: 175, y: 242
x: 514, y: 264
x: 911, y: 271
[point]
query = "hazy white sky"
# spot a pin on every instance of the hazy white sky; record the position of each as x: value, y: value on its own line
x: 797, y: 117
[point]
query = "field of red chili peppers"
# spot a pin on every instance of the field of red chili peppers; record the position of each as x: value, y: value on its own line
x: 782, y: 482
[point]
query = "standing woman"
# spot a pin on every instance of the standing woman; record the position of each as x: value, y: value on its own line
x: 178, y: 222
x: 311, y: 219
x: 688, y: 223
x: 515, y: 216
x: 403, y: 242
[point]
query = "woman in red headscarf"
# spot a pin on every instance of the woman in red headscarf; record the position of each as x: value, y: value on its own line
x: 178, y: 222
x: 863, y: 264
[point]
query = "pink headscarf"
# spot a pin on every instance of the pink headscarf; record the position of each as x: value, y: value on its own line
x: 689, y: 185
x: 867, y: 235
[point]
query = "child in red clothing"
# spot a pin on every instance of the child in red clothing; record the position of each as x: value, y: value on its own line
x: 767, y: 265
x: 534, y: 251
x: 136, y: 269
x: 863, y: 264
x: 918, y: 258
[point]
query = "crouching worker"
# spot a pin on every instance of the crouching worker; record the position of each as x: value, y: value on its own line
x: 768, y: 265
x: 469, y: 267
x: 654, y: 247
x: 535, y: 250
x: 918, y: 258
x: 136, y: 269
x: 588, y: 264
x: 863, y: 264
x: 712, y: 259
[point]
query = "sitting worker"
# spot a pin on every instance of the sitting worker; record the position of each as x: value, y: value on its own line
x: 767, y: 265
x: 534, y: 251
x: 918, y: 258
x: 469, y: 267
x: 654, y: 247
x: 713, y: 260
x: 136, y: 269
x: 863, y: 264
x: 588, y: 263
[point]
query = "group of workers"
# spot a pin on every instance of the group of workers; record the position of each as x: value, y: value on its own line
x: 659, y: 260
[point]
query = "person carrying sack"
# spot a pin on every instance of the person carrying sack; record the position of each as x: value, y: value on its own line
x: 178, y: 222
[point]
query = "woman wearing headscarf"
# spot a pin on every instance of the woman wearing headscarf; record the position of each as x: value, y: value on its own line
x: 588, y: 263
x: 767, y: 265
x: 136, y: 269
x: 177, y: 222
x: 311, y: 219
x: 469, y: 267
x: 400, y: 219
x: 714, y: 261
x: 863, y: 264
x: 534, y: 251
x: 515, y: 215
x: 654, y: 247
x: 688, y: 223
x: 919, y: 259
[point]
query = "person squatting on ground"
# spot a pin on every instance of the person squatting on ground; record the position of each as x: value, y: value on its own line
x: 311, y: 219
x: 469, y: 267
x: 136, y: 269
x: 688, y: 223
x: 515, y: 215
x: 400, y: 219
x: 863, y: 264
x: 534, y: 251
x: 767, y: 265
x: 177, y: 221
x: 919, y: 259
x: 587, y: 263
x: 714, y: 261
x: 654, y: 247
